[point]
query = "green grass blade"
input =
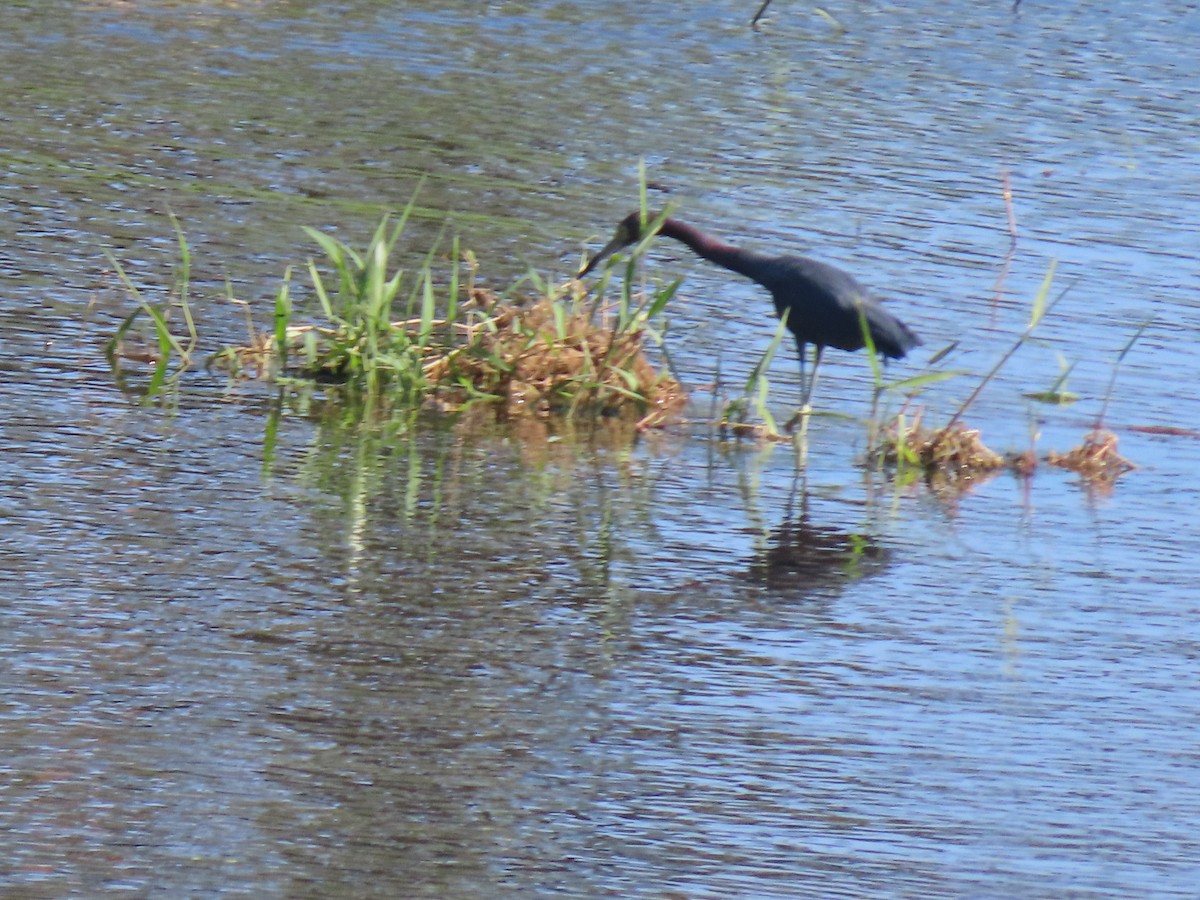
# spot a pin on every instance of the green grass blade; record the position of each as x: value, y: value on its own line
x: 943, y: 353
x: 869, y: 344
x: 124, y: 279
x: 183, y: 279
x: 757, y: 385
x: 1040, y: 309
x: 283, y: 318
x: 760, y: 403
x: 1039, y: 300
x: 452, y: 299
x: 643, y: 199
x: 110, y: 349
x: 409, y: 208
x: 560, y: 321
x: 920, y: 381
x: 334, y: 249
x: 1141, y: 329
x: 765, y: 362
x: 183, y: 282
x: 1112, y: 381
x: 165, y: 341
x: 662, y: 298
x: 322, y: 295
x: 427, y: 311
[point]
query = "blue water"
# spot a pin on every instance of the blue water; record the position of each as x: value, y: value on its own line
x: 490, y: 662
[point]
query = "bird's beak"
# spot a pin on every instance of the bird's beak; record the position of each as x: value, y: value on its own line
x: 608, y: 250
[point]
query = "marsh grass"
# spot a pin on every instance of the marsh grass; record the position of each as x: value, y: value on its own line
x: 260, y: 357
x: 1042, y: 306
x: 955, y: 452
x: 168, y: 351
x: 1097, y: 458
x: 377, y: 338
x: 1057, y: 394
x: 755, y: 394
x: 408, y: 341
x: 735, y: 416
x: 555, y: 354
x: 955, y: 455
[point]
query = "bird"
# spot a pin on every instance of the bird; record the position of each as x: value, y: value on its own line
x: 824, y: 306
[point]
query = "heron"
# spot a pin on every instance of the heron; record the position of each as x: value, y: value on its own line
x: 824, y: 306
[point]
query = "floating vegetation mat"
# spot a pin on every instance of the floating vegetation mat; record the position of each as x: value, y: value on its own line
x: 416, y: 341
x: 954, y: 453
x: 1096, y: 459
x: 549, y: 356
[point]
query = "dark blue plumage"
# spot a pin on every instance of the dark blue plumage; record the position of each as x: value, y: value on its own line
x: 822, y: 303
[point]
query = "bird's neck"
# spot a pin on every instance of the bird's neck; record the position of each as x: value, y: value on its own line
x: 711, y: 248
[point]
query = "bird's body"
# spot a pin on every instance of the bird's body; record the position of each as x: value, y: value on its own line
x: 825, y: 306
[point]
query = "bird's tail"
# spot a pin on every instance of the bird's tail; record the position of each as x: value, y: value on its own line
x: 892, y: 337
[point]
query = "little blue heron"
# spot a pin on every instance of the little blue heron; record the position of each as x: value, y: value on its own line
x: 824, y: 305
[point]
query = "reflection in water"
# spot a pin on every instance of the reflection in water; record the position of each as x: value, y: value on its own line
x: 457, y: 663
x: 801, y: 556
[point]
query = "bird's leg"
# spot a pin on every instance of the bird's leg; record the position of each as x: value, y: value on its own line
x: 800, y: 444
x: 812, y: 380
x: 803, y: 381
x: 806, y: 409
x: 803, y: 411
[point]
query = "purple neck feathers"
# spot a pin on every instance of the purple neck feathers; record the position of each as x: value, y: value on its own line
x: 711, y: 248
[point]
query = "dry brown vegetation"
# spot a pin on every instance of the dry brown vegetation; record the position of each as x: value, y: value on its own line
x: 1096, y: 459
x: 547, y: 357
x: 955, y: 451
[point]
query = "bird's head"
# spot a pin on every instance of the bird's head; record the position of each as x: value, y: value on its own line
x: 631, y: 229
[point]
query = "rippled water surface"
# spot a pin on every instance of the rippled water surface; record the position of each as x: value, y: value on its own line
x: 287, y: 658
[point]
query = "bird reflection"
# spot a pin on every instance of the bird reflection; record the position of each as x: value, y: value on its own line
x: 803, y: 556
x: 798, y: 555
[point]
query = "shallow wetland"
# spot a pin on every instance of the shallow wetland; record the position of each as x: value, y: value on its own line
x: 252, y: 646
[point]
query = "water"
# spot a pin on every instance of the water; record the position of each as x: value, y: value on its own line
x: 489, y: 662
